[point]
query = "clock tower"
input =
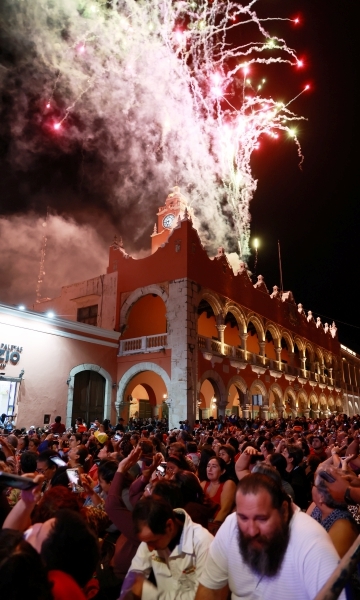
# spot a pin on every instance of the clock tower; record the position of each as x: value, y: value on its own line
x: 168, y: 215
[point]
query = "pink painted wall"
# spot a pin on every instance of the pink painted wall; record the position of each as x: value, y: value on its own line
x: 47, y: 359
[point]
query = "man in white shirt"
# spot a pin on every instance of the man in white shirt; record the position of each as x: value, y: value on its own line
x: 173, y: 546
x: 267, y: 549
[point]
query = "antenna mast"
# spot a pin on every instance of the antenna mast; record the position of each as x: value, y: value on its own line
x: 42, y: 260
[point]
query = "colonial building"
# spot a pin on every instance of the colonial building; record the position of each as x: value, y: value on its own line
x: 350, y: 365
x: 196, y: 339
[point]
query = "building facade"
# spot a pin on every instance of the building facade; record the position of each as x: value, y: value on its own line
x: 195, y: 339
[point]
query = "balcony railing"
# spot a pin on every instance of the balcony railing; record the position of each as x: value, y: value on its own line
x: 146, y: 343
x: 213, y: 346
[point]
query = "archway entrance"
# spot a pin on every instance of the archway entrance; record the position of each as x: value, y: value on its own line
x: 237, y: 400
x: 89, y: 396
x: 209, y: 398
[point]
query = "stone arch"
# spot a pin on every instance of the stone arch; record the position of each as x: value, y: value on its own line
x: 331, y: 403
x: 310, y: 349
x: 302, y: 400
x: 313, y: 401
x: 323, y: 405
x: 256, y: 321
x: 71, y: 381
x: 213, y: 376
x: 290, y: 393
x: 240, y: 385
x: 238, y: 314
x: 300, y: 344
x: 136, y: 295
x: 134, y: 370
x: 278, y: 394
x: 288, y: 339
x: 274, y: 330
x: 327, y: 359
x: 238, y: 382
x: 319, y: 355
x: 259, y: 387
x: 213, y: 300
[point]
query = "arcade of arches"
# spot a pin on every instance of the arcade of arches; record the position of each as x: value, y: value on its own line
x: 278, y: 372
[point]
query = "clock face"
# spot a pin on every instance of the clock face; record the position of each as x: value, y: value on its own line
x: 168, y: 220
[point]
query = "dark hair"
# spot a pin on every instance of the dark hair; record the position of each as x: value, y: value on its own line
x: 170, y: 491
x: 58, y: 419
x: 45, y: 457
x: 296, y: 453
x: 107, y: 470
x: 78, y: 436
x: 154, y: 513
x: 191, y: 490
x: 269, y: 447
x: 228, y: 448
x: 21, y: 569
x: 234, y: 443
x: 71, y: 547
x: 222, y: 465
x: 191, y: 447
x: 206, y: 454
x: 255, y: 482
x: 28, y: 461
x: 278, y: 461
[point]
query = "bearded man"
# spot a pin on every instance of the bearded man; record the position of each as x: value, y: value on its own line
x: 268, y: 549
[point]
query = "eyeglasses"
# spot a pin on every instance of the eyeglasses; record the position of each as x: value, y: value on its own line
x: 42, y: 471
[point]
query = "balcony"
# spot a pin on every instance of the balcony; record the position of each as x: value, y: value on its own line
x: 146, y: 343
x: 212, y: 347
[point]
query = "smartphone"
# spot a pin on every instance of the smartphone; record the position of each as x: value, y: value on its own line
x: 73, y: 476
x: 16, y: 481
x: 58, y: 461
x: 325, y: 475
x: 117, y: 437
x: 161, y: 470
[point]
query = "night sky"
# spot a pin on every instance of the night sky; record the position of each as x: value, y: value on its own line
x: 314, y: 212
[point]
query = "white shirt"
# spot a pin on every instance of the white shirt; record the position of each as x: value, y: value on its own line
x: 177, y: 573
x: 309, y: 561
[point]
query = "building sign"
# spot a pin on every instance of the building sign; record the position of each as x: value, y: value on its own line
x: 9, y: 354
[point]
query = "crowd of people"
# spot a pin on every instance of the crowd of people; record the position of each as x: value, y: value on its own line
x: 248, y: 508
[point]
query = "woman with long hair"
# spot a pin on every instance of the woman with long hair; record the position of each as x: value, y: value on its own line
x: 220, y: 489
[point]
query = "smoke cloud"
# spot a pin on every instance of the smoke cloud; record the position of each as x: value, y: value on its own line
x: 99, y: 119
x: 73, y: 253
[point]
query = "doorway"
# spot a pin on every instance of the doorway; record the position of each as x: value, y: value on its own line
x: 89, y: 397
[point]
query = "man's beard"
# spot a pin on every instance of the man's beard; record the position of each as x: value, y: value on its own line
x: 267, y: 559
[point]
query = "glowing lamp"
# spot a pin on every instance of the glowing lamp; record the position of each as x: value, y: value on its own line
x: 21, y: 307
x: 50, y: 314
